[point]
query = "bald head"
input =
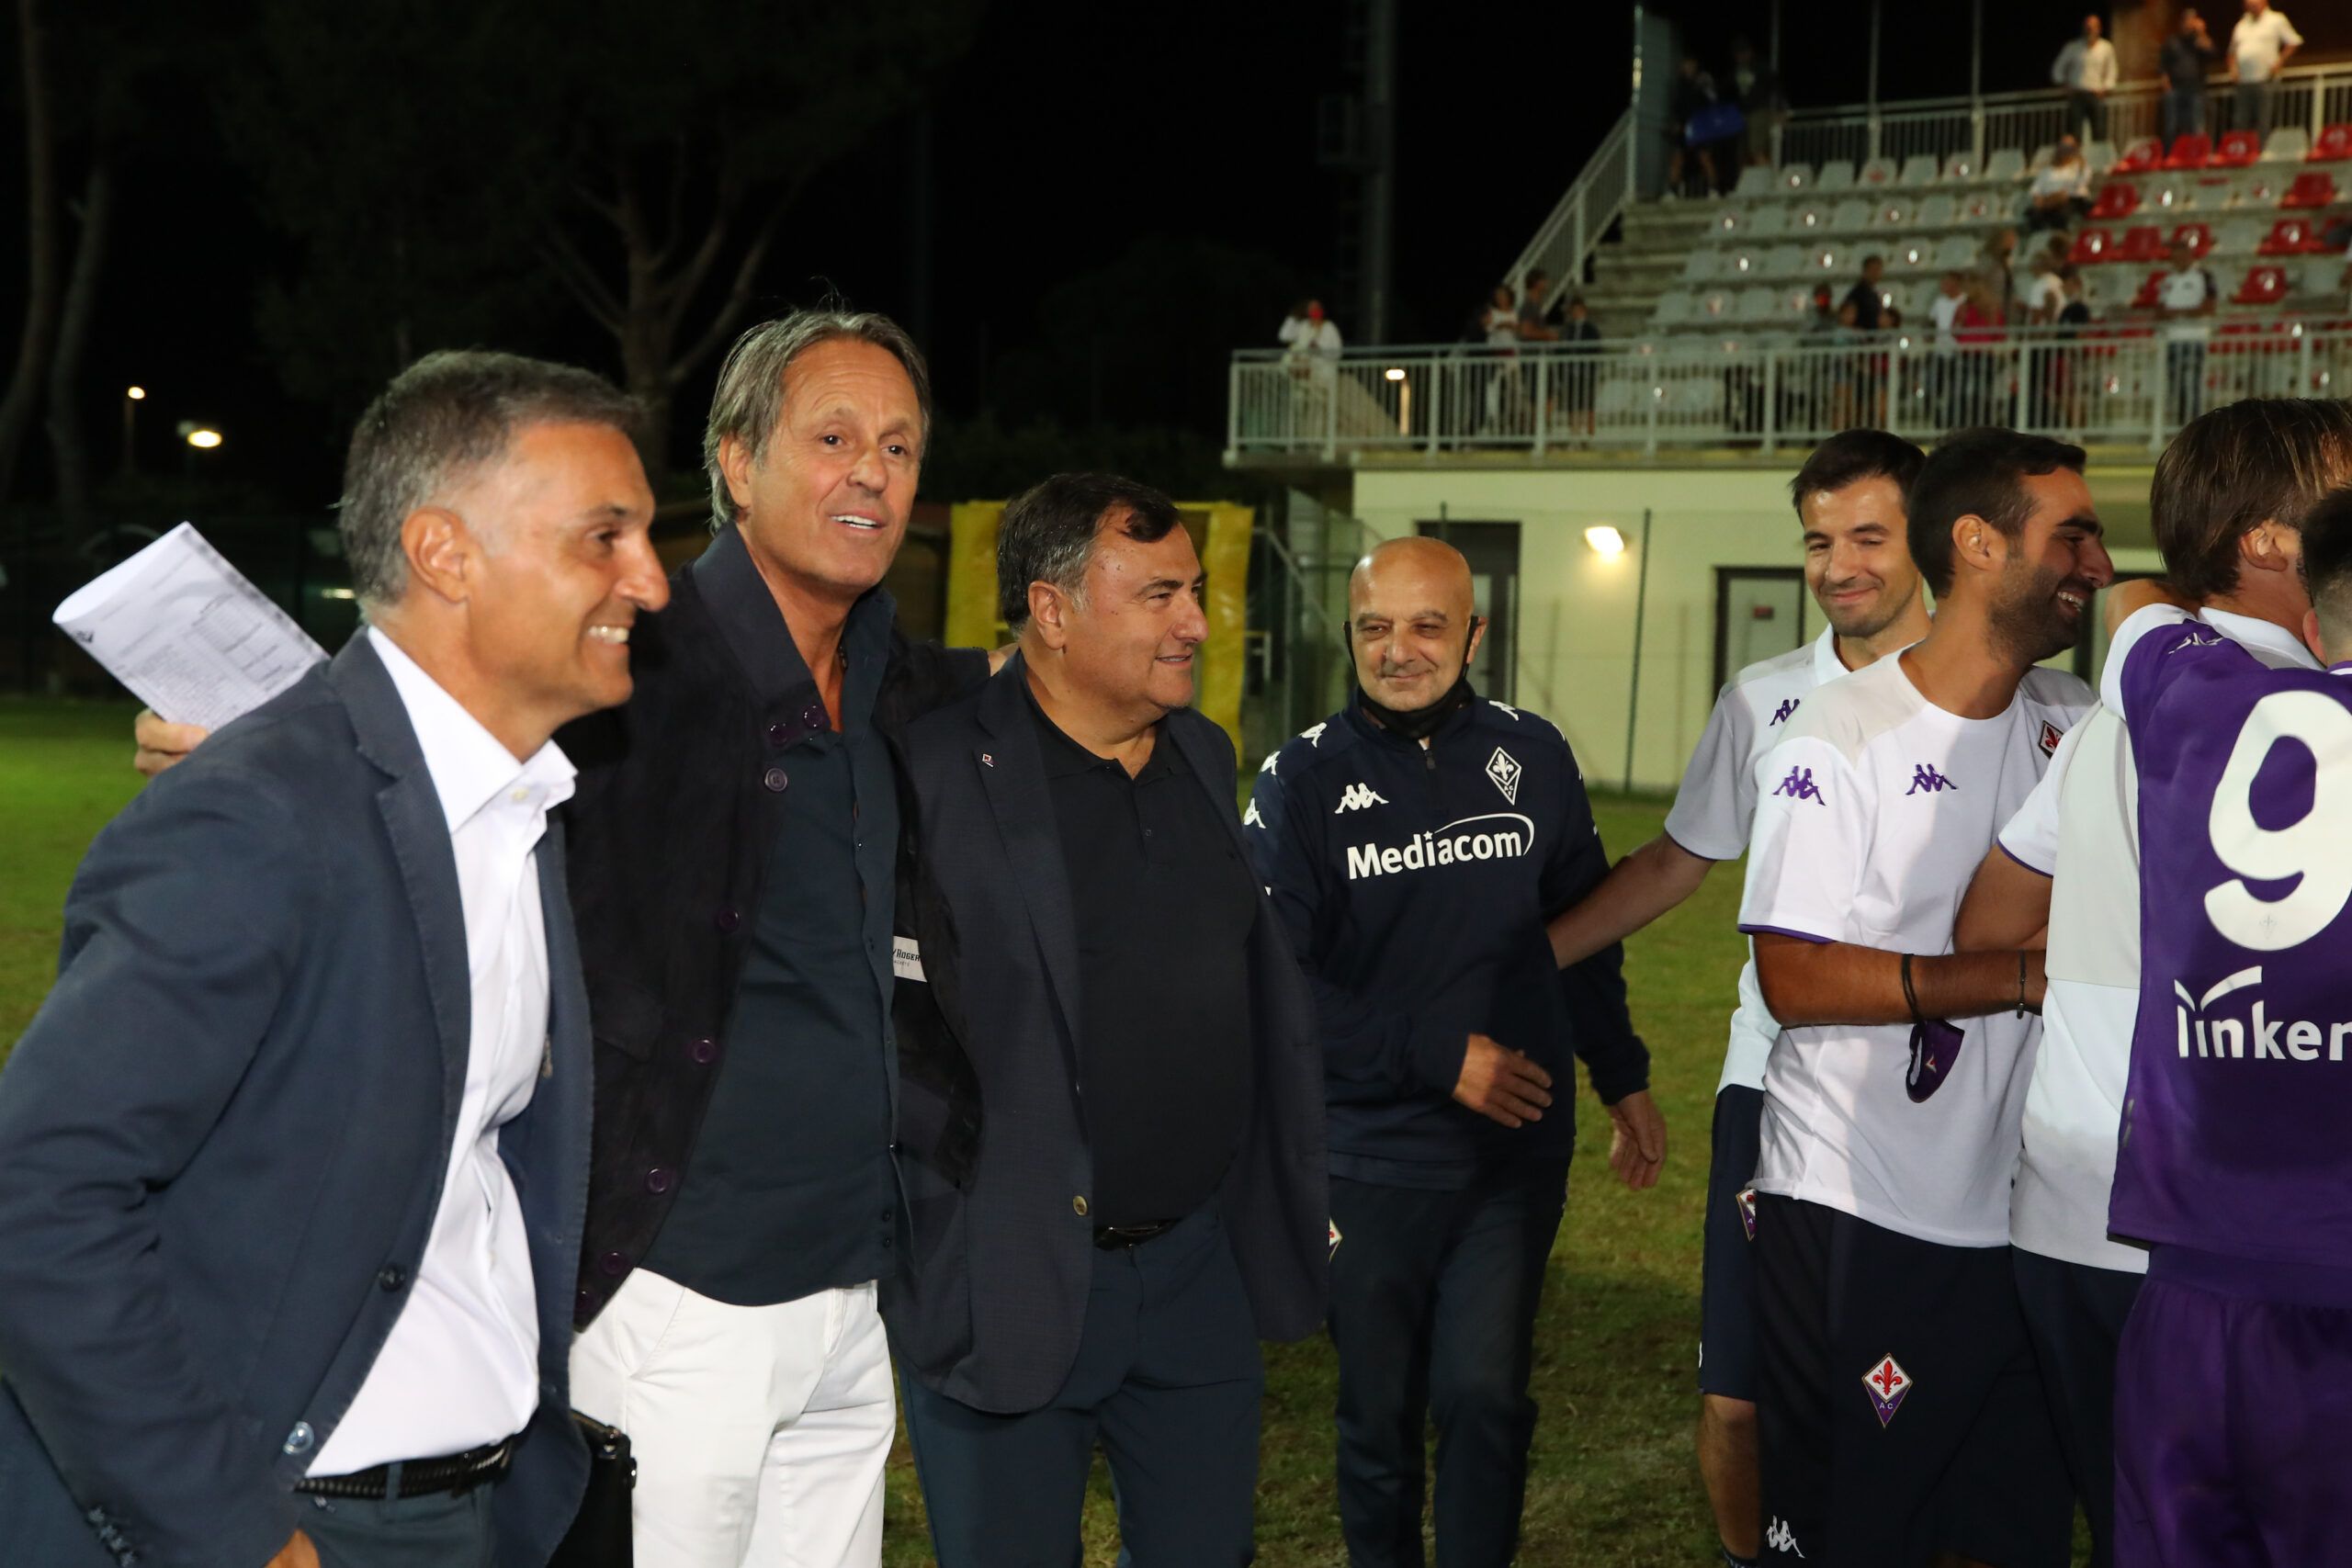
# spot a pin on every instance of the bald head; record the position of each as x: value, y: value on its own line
x: 1411, y: 622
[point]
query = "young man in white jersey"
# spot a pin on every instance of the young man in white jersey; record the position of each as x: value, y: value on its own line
x: 1849, y: 499
x: 1897, y: 1405
x: 2227, y: 508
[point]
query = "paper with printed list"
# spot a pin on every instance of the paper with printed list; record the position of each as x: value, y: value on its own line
x: 186, y: 632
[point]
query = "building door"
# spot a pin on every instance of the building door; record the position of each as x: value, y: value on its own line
x: 1759, y: 612
x: 1492, y: 551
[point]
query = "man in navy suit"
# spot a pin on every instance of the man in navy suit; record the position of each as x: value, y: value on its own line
x: 1111, y: 1113
x: 294, y: 1157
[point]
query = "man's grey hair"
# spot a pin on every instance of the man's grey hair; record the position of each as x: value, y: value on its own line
x: 749, y: 402
x: 439, y: 421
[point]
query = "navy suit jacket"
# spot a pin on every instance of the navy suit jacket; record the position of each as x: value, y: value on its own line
x: 223, y: 1140
x: 992, y: 1295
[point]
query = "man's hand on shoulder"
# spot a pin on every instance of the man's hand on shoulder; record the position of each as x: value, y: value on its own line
x: 2125, y: 600
x: 1636, y: 1140
x: 296, y: 1554
x: 996, y: 656
x: 162, y: 744
x: 1502, y: 1084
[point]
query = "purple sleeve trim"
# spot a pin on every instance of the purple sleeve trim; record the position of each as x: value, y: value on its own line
x: 2021, y: 860
x: 1668, y: 834
x: 1784, y: 930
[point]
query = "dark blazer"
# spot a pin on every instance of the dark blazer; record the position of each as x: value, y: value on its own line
x: 989, y: 1305
x: 670, y: 841
x: 224, y: 1139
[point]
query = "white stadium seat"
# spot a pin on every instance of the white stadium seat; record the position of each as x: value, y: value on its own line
x: 1836, y: 175
x: 1891, y: 212
x: 1878, y: 172
x: 1675, y: 307
x: 1743, y: 263
x: 1940, y: 210
x: 2164, y: 194
x: 2238, y: 237
x: 1961, y: 169
x: 1920, y: 169
x: 1770, y: 218
x: 2007, y: 163
x: 1784, y: 261
x: 1957, y: 251
x: 2290, y: 144
x: 1811, y: 217
x: 1756, y: 305
x: 1701, y: 266
x: 1853, y: 216
x: 1795, y: 176
x: 1756, y: 180
x: 1731, y: 219
x: 1912, y: 254
x: 2101, y: 156
x: 2040, y: 158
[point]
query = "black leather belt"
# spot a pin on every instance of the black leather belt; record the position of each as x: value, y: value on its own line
x: 1110, y: 1238
x: 419, y: 1477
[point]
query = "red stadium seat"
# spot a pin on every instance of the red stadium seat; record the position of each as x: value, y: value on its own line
x: 2238, y: 149
x: 2146, y: 299
x: 2198, y: 236
x: 2117, y: 200
x: 2141, y: 242
x: 2092, y: 246
x: 2312, y: 187
x: 2263, y: 286
x: 2334, y: 146
x: 2144, y: 154
x: 2190, y: 150
x: 2291, y: 237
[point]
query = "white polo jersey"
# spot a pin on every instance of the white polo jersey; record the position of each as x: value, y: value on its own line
x: 2256, y: 42
x: 1715, y: 809
x: 1879, y: 808
x: 2080, y: 827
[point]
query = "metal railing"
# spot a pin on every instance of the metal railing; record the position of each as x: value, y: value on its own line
x: 2130, y: 383
x: 2311, y: 96
x: 1574, y: 229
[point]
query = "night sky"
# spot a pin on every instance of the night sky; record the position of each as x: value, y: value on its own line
x: 1069, y: 135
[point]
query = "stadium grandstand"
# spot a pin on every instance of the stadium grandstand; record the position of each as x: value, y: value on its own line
x: 1704, y: 306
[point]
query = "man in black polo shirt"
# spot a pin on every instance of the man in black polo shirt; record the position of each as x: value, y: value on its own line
x: 1110, y: 997
x: 1866, y: 310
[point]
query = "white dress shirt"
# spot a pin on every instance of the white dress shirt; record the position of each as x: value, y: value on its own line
x: 2256, y: 42
x: 2085, y: 67
x: 460, y: 1367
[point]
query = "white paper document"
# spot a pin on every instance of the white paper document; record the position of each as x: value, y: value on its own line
x: 186, y: 632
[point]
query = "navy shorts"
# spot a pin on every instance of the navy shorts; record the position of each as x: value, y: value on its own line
x: 1728, y: 1280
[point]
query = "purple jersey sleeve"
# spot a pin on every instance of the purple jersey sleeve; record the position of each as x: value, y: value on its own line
x: 2234, y: 1131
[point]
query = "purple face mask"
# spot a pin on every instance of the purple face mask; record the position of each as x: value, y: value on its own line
x: 1935, y: 1050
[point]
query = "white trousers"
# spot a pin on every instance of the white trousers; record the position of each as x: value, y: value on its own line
x: 760, y: 1432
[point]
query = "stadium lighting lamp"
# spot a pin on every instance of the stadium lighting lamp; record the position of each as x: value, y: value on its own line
x: 1604, y: 539
x: 204, y: 438
x: 1395, y: 373
x: 136, y: 394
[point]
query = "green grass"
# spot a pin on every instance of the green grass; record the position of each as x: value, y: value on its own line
x: 1613, y: 1479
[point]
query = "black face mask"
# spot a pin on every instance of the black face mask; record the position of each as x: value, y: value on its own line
x: 1421, y: 722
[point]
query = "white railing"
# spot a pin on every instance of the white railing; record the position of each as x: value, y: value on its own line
x: 1576, y: 225
x: 2308, y: 95
x: 2133, y: 383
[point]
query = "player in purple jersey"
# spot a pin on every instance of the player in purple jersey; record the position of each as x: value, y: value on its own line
x: 2234, y: 1380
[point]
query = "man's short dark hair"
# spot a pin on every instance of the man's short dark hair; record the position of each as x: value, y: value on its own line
x: 1979, y: 472
x: 1049, y: 531
x: 2229, y: 472
x: 444, y: 416
x: 2327, y: 565
x: 1852, y: 456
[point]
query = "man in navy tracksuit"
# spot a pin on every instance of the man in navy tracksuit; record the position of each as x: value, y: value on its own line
x: 1414, y: 844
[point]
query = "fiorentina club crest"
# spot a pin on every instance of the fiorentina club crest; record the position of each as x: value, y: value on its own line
x: 1887, y: 1383
x: 2051, y: 736
x: 1503, y: 768
x: 1747, y: 1202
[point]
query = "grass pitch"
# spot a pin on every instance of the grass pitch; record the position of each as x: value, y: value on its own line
x: 1613, y: 1481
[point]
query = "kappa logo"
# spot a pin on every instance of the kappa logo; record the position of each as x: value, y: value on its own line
x: 1888, y: 1386
x: 1780, y: 1537
x: 1924, y: 780
x: 2257, y: 1034
x: 1357, y: 796
x: 1786, y: 711
x: 1505, y: 709
x: 1503, y: 768
x: 1250, y: 817
x: 1313, y: 733
x: 2051, y: 736
x: 1746, y: 1198
x: 1799, y: 786
x: 1268, y: 765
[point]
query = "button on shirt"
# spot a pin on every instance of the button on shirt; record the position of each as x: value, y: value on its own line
x: 790, y: 1188
x: 461, y: 1366
x: 1163, y: 908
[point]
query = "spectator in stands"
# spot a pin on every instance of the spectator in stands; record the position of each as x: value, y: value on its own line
x: 2189, y: 55
x: 2260, y: 46
x: 1500, y: 323
x: 2045, y: 293
x: 2059, y: 400
x: 1504, y: 396
x: 1977, y: 330
x: 2087, y: 69
x: 1694, y: 98
x: 2061, y: 192
x: 1824, y: 383
x: 1763, y: 102
x: 1865, y: 309
x: 1308, y: 333
x: 1943, y: 370
x: 2000, y: 253
x: 1534, y: 304
x: 1579, y: 338
x: 2185, y: 296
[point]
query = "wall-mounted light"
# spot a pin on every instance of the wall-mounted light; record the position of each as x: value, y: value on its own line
x: 1605, y: 539
x: 1395, y: 373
